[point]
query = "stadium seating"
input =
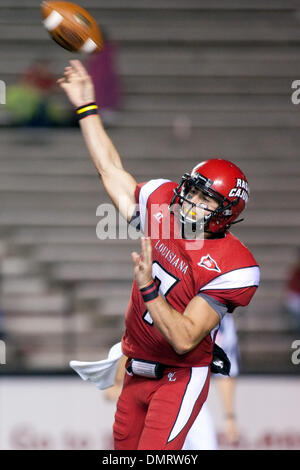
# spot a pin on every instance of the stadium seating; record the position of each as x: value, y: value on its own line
x: 226, y: 68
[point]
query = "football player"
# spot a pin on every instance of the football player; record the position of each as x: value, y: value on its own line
x: 187, y: 278
x: 202, y: 435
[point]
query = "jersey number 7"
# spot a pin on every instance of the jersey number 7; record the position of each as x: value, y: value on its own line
x: 165, y: 283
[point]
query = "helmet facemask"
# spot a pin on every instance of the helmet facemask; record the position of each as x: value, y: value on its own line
x: 187, y: 211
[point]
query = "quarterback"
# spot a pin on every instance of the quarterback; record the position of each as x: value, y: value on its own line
x: 185, y: 280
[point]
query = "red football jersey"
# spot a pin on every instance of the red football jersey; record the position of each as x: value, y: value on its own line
x: 222, y: 268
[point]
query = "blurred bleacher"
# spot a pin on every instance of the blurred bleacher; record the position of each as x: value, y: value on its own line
x: 226, y: 66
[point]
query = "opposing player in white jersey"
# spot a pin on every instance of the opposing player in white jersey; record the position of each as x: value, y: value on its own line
x: 191, y: 272
x: 202, y: 435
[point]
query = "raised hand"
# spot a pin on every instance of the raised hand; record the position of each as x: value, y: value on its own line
x: 143, y: 263
x: 77, y: 84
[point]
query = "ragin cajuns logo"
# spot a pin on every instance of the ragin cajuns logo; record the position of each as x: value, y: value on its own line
x: 241, y: 190
x: 209, y: 263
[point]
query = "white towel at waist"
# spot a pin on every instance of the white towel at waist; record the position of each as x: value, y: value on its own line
x: 101, y: 373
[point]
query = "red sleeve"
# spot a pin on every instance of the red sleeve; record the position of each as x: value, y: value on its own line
x: 232, y: 298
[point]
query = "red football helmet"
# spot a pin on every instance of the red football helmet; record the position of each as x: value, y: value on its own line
x: 221, y: 180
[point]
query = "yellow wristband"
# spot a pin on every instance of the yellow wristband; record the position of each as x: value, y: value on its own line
x: 87, y: 108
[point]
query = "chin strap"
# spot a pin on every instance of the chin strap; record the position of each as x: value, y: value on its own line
x: 232, y: 223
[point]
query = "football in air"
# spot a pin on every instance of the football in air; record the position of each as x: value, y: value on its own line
x: 72, y: 27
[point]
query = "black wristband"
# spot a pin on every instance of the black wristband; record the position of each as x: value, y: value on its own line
x: 86, y: 110
x: 149, y: 292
